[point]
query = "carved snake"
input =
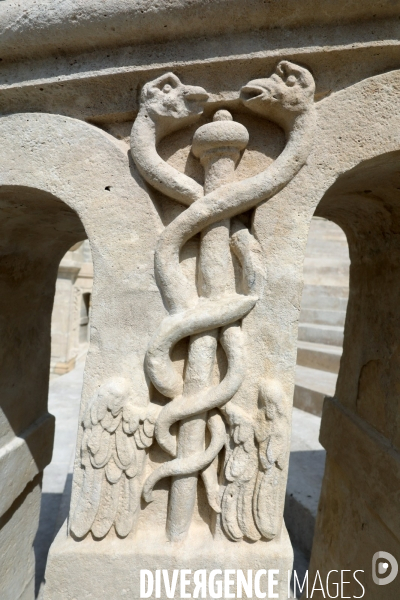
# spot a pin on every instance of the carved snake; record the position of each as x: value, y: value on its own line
x: 166, y: 104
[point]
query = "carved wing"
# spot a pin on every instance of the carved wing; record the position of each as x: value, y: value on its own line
x: 241, y: 470
x: 251, y: 504
x: 272, y: 435
x: 116, y: 434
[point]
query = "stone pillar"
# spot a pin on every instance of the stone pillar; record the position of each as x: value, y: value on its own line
x: 39, y: 229
x: 359, y: 427
x: 65, y: 319
x: 231, y: 406
x: 309, y: 91
x: 70, y: 316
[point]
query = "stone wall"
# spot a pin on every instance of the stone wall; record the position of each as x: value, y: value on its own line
x: 245, y: 126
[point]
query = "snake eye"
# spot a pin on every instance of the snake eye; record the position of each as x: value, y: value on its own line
x: 291, y: 80
x: 167, y: 88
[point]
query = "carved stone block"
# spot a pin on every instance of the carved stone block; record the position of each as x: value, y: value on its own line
x: 191, y: 142
x: 194, y: 463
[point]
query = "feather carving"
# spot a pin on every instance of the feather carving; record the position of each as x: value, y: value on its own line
x: 117, y: 433
x: 241, y: 472
x: 251, y: 503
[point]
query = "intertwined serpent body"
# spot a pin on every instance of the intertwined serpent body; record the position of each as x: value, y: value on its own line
x: 189, y: 314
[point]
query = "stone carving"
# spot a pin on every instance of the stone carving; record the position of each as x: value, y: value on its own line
x: 117, y: 433
x: 209, y: 312
x: 260, y: 446
x: 67, y: 173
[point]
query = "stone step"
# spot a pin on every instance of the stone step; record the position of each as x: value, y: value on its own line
x: 326, y: 271
x: 322, y: 316
x: 321, y: 334
x: 319, y: 356
x: 325, y: 297
x: 327, y: 249
x: 311, y: 387
x: 306, y: 470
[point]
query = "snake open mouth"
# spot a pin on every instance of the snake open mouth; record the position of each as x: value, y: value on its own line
x: 250, y: 92
x: 196, y: 96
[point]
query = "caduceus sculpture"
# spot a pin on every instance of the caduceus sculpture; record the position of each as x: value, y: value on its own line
x: 209, y: 314
x: 210, y: 318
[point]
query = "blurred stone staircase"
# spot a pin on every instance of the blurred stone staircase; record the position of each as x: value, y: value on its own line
x: 319, y: 349
x: 323, y: 312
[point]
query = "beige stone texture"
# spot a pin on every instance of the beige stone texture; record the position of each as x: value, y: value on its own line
x: 18, y: 527
x: 71, y: 309
x: 198, y: 259
x: 57, y: 227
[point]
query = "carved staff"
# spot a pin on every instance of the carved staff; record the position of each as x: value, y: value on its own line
x: 115, y: 428
x: 217, y: 145
x: 287, y: 98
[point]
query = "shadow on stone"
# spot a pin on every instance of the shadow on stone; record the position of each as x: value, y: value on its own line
x: 49, y: 509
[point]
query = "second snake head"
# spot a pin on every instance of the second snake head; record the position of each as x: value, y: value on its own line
x: 170, y: 104
x: 283, y: 96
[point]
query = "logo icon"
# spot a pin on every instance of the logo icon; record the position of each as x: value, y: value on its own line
x: 384, y: 568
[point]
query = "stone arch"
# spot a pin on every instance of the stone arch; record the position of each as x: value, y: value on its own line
x: 79, y: 166
x: 360, y: 430
x: 356, y: 127
x: 358, y: 157
x: 61, y: 181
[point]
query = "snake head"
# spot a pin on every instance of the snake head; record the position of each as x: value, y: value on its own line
x: 170, y: 104
x: 288, y: 92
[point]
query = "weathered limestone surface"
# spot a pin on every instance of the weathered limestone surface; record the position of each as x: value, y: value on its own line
x: 18, y: 529
x: 48, y: 225
x: 248, y: 498
x: 195, y: 182
x: 39, y: 29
